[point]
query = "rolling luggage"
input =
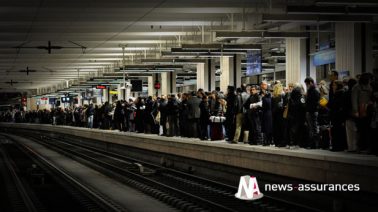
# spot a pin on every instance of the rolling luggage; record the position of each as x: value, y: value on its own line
x: 216, y: 131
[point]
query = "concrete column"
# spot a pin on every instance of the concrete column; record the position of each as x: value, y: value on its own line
x: 120, y: 92
x: 312, y: 46
x: 168, y: 83
x: 226, y: 67
x: 206, y: 75
x: 348, y: 49
x: 295, y: 60
x: 151, y: 89
x: 231, y: 72
x: 354, y: 43
x: 105, y: 95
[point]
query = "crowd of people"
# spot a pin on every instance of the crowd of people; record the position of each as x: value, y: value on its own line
x: 340, y: 116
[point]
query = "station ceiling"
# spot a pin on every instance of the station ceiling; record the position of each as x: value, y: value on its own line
x: 46, y: 42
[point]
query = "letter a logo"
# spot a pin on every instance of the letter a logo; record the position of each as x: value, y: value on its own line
x: 248, y: 188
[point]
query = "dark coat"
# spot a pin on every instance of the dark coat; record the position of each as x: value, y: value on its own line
x: 267, y: 125
x: 312, y: 100
x: 193, y: 107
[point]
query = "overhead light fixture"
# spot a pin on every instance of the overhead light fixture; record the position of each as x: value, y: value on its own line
x: 266, y: 34
x: 315, y: 18
x: 219, y: 47
x: 277, y: 54
x: 347, y: 3
x: 172, y: 61
x: 333, y: 10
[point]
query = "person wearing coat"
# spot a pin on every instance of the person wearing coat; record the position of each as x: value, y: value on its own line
x: 163, y: 114
x: 230, y: 113
x: 266, y: 124
x: 194, y: 115
x: 204, y: 117
x: 338, y: 116
x: 253, y: 114
x: 297, y: 116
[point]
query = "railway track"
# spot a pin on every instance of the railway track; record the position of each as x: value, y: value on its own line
x: 33, y: 184
x: 178, y: 189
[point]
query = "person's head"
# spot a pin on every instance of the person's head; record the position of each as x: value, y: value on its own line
x: 299, y: 87
x: 248, y: 89
x: 364, y: 79
x: 277, y: 90
x: 264, y: 85
x: 290, y: 87
x: 204, y: 98
x: 254, y: 89
x: 200, y: 94
x: 239, y: 90
x: 230, y: 89
x: 334, y: 75
x: 309, y: 82
x: 351, y: 83
x: 337, y: 85
x: 243, y: 87
x: 217, y: 89
x: 323, y: 88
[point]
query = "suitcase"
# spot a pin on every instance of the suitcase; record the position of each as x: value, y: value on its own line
x: 216, y: 131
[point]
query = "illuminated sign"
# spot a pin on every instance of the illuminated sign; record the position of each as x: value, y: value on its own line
x: 324, y: 57
x: 113, y: 92
x: 100, y: 87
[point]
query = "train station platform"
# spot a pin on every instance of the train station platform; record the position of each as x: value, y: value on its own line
x: 319, y: 166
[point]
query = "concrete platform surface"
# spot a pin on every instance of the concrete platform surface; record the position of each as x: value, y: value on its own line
x: 320, y: 166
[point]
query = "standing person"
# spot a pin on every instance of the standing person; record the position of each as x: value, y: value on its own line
x: 149, y: 118
x: 204, y: 117
x: 286, y: 123
x: 183, y: 115
x: 374, y: 120
x: 334, y: 76
x: 312, y: 108
x: 361, y: 99
x: 230, y: 113
x: 90, y: 115
x: 266, y: 105
x: 163, y: 115
x: 172, y: 116
x: 239, y: 115
x: 118, y: 116
x: 194, y: 115
x: 277, y: 112
x: 245, y: 128
x: 131, y: 115
x: 350, y: 123
x: 297, y: 115
x: 254, y: 135
x: 107, y: 115
x: 139, y: 115
x: 96, y: 117
x: 338, y: 116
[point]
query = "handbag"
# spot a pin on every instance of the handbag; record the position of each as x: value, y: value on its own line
x: 323, y: 102
x: 217, y: 119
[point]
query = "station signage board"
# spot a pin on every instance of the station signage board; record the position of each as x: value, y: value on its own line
x: 100, y: 87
